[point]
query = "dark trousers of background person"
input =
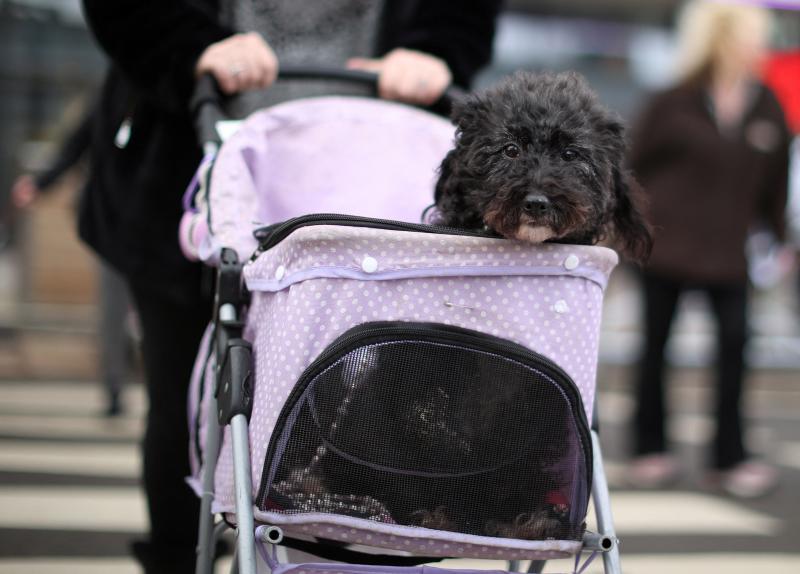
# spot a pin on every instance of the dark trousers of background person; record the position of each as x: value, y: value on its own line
x: 171, y: 333
x: 114, y: 338
x: 729, y: 304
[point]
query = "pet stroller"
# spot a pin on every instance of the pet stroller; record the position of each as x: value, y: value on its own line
x: 375, y: 391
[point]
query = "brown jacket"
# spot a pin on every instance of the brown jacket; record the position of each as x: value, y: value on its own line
x: 706, y: 188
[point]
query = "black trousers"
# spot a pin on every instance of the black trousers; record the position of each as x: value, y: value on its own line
x: 729, y: 305
x: 171, y: 333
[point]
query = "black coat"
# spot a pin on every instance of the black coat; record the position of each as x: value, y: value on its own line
x: 132, y: 205
x: 707, y: 189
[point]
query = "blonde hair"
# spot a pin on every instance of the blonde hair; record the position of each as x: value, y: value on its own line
x: 704, y: 26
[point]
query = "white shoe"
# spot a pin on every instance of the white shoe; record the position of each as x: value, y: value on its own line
x: 749, y: 479
x: 655, y: 470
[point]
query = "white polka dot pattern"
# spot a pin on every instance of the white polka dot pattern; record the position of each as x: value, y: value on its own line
x: 419, y: 541
x: 424, y: 542
x: 312, y: 287
x: 324, y: 280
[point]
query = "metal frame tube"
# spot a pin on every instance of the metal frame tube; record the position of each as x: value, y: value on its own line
x: 245, y: 523
x: 537, y: 566
x: 599, y: 542
x: 206, y: 538
x: 602, y: 509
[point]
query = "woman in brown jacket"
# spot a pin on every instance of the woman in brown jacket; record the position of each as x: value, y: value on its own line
x: 712, y: 153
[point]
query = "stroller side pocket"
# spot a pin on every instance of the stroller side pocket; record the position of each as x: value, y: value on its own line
x: 433, y: 426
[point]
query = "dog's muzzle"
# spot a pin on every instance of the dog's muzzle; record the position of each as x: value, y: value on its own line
x: 536, y: 204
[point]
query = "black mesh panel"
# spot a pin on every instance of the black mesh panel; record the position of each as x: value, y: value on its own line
x: 435, y: 435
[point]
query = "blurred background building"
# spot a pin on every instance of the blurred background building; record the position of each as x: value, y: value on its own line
x: 49, y: 62
x: 49, y: 68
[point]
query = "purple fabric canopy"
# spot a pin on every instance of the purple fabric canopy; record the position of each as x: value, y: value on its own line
x: 319, y: 155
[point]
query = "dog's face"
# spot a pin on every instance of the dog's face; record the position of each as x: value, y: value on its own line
x: 538, y: 158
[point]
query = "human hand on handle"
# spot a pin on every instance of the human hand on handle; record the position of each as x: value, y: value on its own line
x: 407, y: 75
x: 240, y: 62
x: 245, y: 62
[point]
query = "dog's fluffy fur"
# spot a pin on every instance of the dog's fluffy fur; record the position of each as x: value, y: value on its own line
x: 537, y: 158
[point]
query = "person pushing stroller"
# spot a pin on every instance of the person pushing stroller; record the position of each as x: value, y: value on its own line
x: 145, y: 152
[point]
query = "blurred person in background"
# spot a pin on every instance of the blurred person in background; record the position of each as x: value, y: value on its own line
x: 145, y: 153
x: 114, y: 340
x: 712, y: 153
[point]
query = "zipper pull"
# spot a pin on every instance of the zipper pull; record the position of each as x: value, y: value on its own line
x: 259, y: 250
x: 123, y: 135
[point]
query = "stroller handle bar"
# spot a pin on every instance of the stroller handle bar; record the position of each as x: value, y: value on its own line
x: 207, y: 102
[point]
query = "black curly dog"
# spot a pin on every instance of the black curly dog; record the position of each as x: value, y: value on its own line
x: 538, y: 158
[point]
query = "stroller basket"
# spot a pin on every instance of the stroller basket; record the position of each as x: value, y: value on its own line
x: 421, y: 391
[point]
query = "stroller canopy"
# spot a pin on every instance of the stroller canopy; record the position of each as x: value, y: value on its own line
x: 319, y: 155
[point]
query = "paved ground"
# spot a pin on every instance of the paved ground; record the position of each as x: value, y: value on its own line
x: 70, y: 500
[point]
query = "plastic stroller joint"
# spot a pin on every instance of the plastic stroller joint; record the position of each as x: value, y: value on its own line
x: 230, y: 287
x: 230, y: 299
x: 235, y: 388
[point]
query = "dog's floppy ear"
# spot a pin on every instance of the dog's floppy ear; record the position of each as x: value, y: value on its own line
x: 447, y: 197
x: 468, y: 111
x: 632, y: 231
x: 445, y: 182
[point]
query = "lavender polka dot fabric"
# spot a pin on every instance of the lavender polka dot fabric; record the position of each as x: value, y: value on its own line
x: 323, y: 280
x: 333, y: 154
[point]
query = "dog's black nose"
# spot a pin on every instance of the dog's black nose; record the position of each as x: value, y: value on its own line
x: 536, y: 204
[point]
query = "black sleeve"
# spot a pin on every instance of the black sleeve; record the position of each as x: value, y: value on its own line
x: 155, y: 44
x: 461, y: 33
x: 71, y: 150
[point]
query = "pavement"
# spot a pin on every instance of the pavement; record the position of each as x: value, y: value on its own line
x: 70, y: 500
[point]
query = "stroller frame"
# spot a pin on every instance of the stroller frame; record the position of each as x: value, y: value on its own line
x: 231, y: 404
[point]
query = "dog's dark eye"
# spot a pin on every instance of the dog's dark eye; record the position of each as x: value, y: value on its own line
x: 569, y: 154
x: 511, y: 151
